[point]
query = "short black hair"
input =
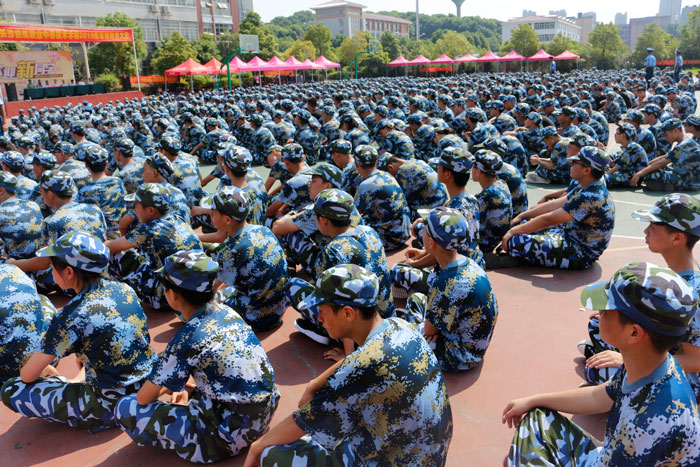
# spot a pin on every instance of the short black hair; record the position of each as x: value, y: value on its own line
x: 196, y: 299
x: 690, y: 239
x: 597, y: 173
x: 461, y: 178
x: 96, y: 167
x: 661, y: 343
x: 236, y: 173
x: 337, y: 223
x: 366, y: 312
x: 84, y: 277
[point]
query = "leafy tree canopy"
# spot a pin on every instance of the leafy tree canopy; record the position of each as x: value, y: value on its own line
x: 690, y: 36
x: 607, y: 49
x: 171, y: 52
x: 117, y: 57
x: 663, y: 43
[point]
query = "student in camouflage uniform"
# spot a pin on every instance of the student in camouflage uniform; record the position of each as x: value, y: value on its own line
x: 458, y: 313
x: 103, y: 325
x: 495, y: 202
x: 652, y: 114
x: 359, y: 245
x: 380, y: 200
x: 418, y: 181
x: 306, y: 136
x: 684, y: 173
x: 160, y: 233
x: 103, y: 191
x: 236, y: 163
x: 341, y: 407
x: 294, y: 194
x: 13, y: 163
x: 654, y: 420
x: 234, y: 395
x: 186, y: 176
x: 66, y: 161
x: 24, y: 317
x: 341, y: 155
x: 394, y: 141
x: 509, y: 175
x: 253, y: 269
x: 263, y: 140
x: 130, y: 167
x: 645, y: 138
x: 629, y: 160
x: 43, y: 161
x: 673, y: 231
x: 20, y: 221
x: 552, y: 165
x: 579, y: 224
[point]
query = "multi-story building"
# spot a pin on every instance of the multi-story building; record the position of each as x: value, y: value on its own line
x: 670, y: 8
x: 637, y: 26
x: 620, y: 19
x: 376, y: 25
x: 586, y: 23
x: 546, y: 27
x: 561, y: 13
x: 529, y: 13
x: 686, y: 10
x: 158, y: 18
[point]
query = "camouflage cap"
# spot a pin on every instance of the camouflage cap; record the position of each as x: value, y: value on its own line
x: 44, y: 159
x: 237, y: 158
x: 78, y: 127
x: 457, y: 160
x: 80, y: 250
x: 628, y: 130
x: 475, y: 114
x: 384, y: 123
x: 496, y: 145
x: 593, y: 157
x: 155, y: 195
x: 671, y: 124
x: 13, y: 160
x: 692, y: 120
x: 26, y: 142
x: 230, y: 201
x: 535, y: 117
x: 64, y: 147
x: 635, y: 116
x: 161, y: 164
x: 568, y: 111
x: 447, y: 227
x: 329, y: 173
x: 125, y: 146
x: 653, y: 109
x: 366, y: 155
x: 8, y: 182
x: 548, y: 131
x: 170, y: 144
x: 190, y: 270
x: 334, y: 204
x: 652, y: 296
x: 275, y: 147
x: 678, y: 210
x: 57, y: 181
x: 488, y: 161
x: 582, y: 139
x: 95, y: 154
x: 293, y: 152
x: 341, y: 146
x: 345, y: 285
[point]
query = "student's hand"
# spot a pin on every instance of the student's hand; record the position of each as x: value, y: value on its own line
x: 594, y: 315
x: 634, y: 181
x: 308, y: 394
x: 198, y: 211
x: 605, y: 359
x: 180, y: 398
x: 601, y: 145
x: 516, y: 220
x: 504, y: 241
x: 252, y: 459
x: 431, y: 339
x: 50, y: 370
x: 515, y: 410
x: 534, y: 160
x: 335, y: 354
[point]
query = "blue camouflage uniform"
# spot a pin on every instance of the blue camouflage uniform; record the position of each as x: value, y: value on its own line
x: 20, y: 228
x: 684, y: 173
x: 399, y: 144
x: 517, y: 187
x: 420, y: 186
x: 24, y: 317
x: 295, y: 191
x: 495, y: 214
x: 309, y: 139
x: 560, y: 173
x: 107, y: 194
x: 131, y: 175
x: 25, y: 187
x: 629, y: 161
x: 646, y: 139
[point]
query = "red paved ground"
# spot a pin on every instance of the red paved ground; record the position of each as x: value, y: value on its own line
x: 533, y: 349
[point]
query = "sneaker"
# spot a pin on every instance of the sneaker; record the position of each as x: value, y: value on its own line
x: 536, y: 178
x: 398, y: 292
x: 653, y: 185
x: 311, y: 331
x: 500, y: 260
x: 581, y: 346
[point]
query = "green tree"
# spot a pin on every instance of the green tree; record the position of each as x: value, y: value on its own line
x: 117, y: 57
x: 351, y: 47
x: 607, y: 49
x: 337, y: 40
x: 561, y: 43
x: 453, y: 44
x: 690, y: 35
x: 252, y: 24
x: 226, y: 43
x: 523, y: 40
x: 206, y: 48
x: 390, y: 44
x: 171, y: 52
x: 320, y: 36
x: 663, y: 43
x: 301, y: 50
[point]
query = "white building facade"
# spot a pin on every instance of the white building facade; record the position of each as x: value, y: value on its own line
x: 546, y: 27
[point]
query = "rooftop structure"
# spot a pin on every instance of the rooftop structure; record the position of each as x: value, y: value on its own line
x: 546, y: 27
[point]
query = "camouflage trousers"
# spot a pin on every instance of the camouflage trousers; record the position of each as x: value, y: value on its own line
x: 80, y: 405
x: 597, y: 376
x: 207, y: 157
x: 547, y: 438
x: 260, y: 318
x: 618, y: 179
x: 664, y: 175
x: 393, y: 238
x: 134, y: 269
x: 550, y: 249
x: 297, y: 290
x: 202, y: 431
x: 307, y: 452
x: 409, y: 278
x: 300, y: 250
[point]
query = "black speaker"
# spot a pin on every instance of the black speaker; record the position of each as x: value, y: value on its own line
x: 11, y: 92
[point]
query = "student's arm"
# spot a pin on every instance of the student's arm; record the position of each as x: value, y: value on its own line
x: 658, y: 163
x: 148, y: 393
x: 35, y: 366
x: 272, y: 192
x: 613, y: 170
x: 31, y: 264
x: 213, y: 237
x: 124, y: 223
x: 546, y: 163
x: 118, y: 245
x: 205, y: 181
x: 276, y: 209
x: 284, y: 226
x: 689, y: 357
x: 541, y: 222
x: 421, y: 260
x: 588, y: 400
x: 430, y: 332
x: 553, y: 195
x: 269, y: 182
x: 539, y: 209
x: 285, y: 432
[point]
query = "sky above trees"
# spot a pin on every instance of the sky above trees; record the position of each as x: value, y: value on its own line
x: 506, y: 8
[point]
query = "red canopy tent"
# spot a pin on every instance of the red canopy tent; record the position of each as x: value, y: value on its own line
x: 488, y: 57
x: 512, y: 56
x: 442, y: 59
x: 258, y: 64
x: 238, y: 64
x: 188, y: 67
x: 566, y: 55
x: 326, y: 63
x: 540, y: 56
x: 309, y: 65
x: 278, y: 64
x: 419, y: 60
x: 465, y: 58
x: 214, y: 66
x: 399, y: 61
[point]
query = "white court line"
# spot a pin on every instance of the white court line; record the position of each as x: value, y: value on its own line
x: 632, y: 202
x: 630, y: 237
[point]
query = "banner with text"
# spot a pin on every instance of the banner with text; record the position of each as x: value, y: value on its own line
x: 22, y: 33
x: 46, y: 68
x: 156, y: 79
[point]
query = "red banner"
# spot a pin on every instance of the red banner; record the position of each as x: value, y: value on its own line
x: 434, y: 69
x: 692, y: 61
x: 152, y: 79
x: 15, y: 33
